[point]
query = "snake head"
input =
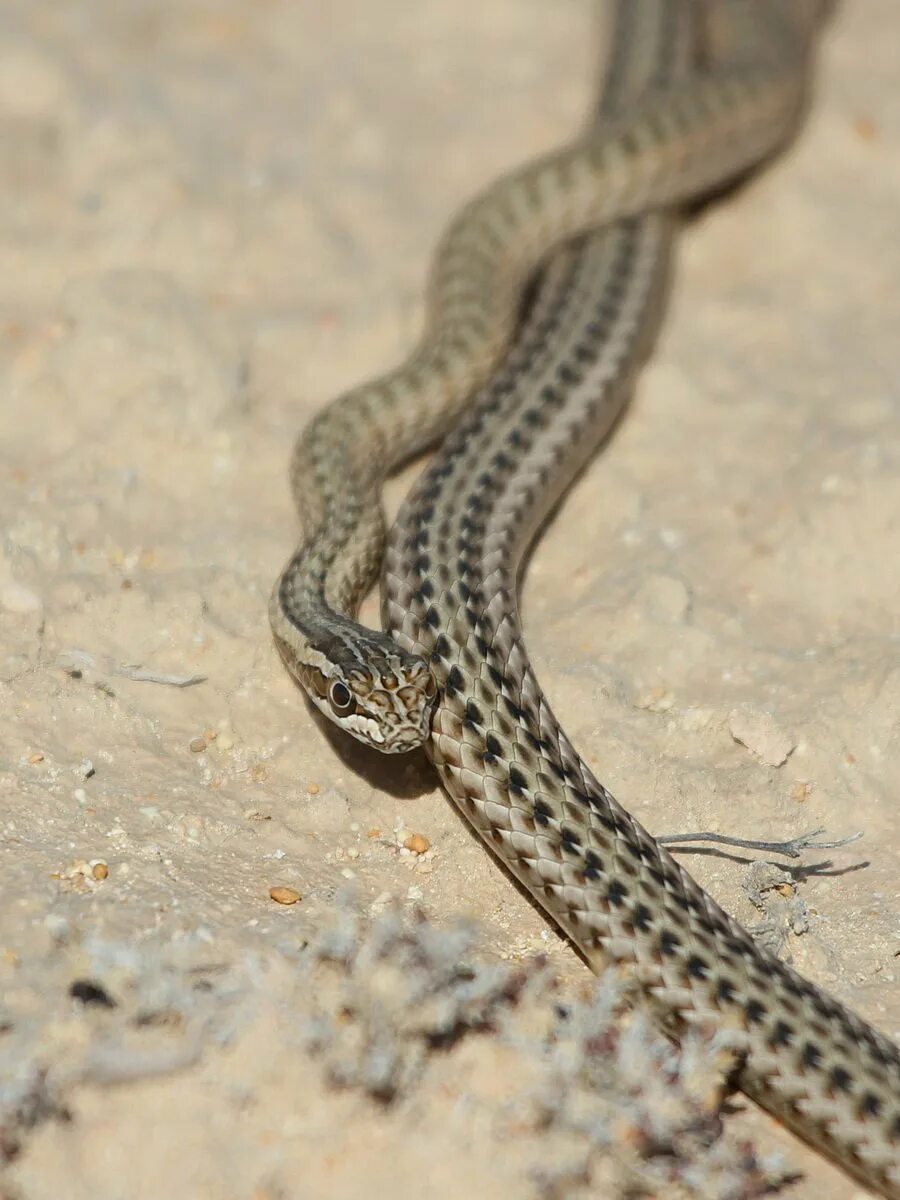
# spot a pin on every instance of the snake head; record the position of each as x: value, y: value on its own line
x: 386, y: 704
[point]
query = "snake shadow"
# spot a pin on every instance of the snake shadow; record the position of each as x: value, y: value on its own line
x: 403, y: 776
x: 799, y: 872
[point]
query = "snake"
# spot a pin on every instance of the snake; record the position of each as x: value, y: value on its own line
x: 451, y: 671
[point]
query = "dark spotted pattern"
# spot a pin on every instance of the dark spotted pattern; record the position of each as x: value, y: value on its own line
x: 594, y: 869
x: 451, y: 572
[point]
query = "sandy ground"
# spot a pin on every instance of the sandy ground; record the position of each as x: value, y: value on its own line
x: 213, y: 217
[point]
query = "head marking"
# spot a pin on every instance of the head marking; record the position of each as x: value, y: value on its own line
x: 385, y: 700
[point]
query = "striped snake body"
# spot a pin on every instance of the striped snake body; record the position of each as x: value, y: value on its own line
x: 450, y: 572
x: 672, y: 147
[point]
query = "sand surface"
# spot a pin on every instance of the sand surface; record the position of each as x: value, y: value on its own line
x: 214, y: 217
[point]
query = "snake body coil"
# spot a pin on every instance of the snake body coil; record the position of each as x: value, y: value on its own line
x: 673, y: 146
x: 450, y: 573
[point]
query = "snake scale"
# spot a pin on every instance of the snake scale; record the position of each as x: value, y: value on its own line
x: 454, y: 673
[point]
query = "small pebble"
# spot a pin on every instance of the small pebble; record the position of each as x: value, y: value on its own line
x: 762, y: 735
x: 197, y: 745
x: 312, y: 789
x: 284, y: 895
x: 658, y: 699
x: 37, y: 757
x: 417, y: 843
x: 100, y: 870
x: 258, y: 773
x: 866, y: 128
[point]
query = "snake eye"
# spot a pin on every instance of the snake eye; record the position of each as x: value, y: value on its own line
x: 340, y: 697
